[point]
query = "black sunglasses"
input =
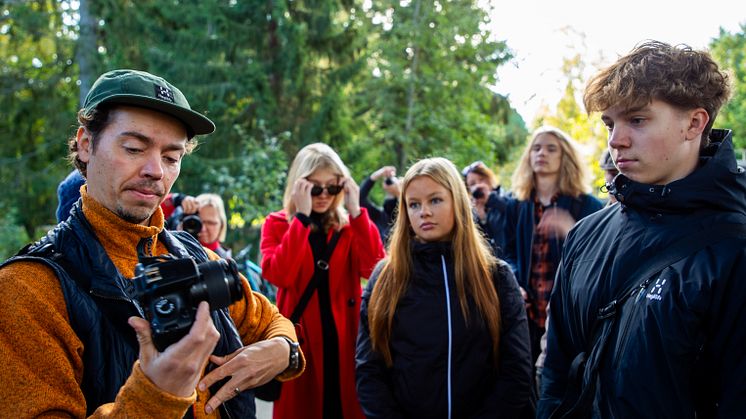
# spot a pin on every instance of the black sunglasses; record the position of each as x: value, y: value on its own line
x: 330, y: 189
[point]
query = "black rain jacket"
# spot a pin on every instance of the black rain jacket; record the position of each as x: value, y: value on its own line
x: 417, y: 385
x: 678, y: 349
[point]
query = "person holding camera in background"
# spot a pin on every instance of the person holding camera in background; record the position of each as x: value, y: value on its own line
x: 204, y: 218
x: 72, y: 336
x: 488, y: 203
x: 383, y: 217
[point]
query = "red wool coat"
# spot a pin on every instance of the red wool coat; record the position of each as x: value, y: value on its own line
x: 287, y: 261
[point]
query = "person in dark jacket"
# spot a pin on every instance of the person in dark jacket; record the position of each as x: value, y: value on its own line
x: 384, y: 215
x: 676, y: 347
x: 488, y: 202
x: 550, y: 190
x: 443, y: 332
x: 72, y: 336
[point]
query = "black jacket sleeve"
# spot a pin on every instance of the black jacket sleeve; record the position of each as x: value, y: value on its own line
x: 494, y: 225
x: 511, y: 396
x: 372, y: 376
x: 510, y: 253
x: 374, y: 211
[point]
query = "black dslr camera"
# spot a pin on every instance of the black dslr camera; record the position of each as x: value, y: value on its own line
x: 477, y: 193
x: 170, y: 289
x: 191, y: 223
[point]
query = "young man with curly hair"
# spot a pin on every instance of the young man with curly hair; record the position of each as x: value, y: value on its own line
x: 667, y: 341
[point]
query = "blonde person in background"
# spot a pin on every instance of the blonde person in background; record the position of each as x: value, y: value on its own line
x: 322, y: 241
x: 214, y: 223
x: 551, y: 193
x: 443, y: 331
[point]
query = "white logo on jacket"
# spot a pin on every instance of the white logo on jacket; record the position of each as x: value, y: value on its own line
x: 655, y: 292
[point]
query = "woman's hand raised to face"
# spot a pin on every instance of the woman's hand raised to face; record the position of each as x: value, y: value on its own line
x: 301, y: 196
x: 352, y: 196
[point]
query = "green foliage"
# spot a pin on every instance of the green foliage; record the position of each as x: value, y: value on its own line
x: 431, y: 65
x: 38, y: 98
x: 588, y: 130
x: 12, y: 236
x: 729, y: 49
x: 381, y: 82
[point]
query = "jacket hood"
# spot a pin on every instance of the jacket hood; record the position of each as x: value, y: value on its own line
x: 718, y: 184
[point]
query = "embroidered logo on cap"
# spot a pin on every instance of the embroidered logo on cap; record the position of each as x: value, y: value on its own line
x: 164, y: 93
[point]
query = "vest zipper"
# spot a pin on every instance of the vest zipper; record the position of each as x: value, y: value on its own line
x: 450, y: 334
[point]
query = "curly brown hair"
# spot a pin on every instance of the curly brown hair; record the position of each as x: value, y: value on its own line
x: 678, y: 75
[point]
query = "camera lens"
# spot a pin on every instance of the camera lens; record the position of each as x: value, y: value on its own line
x: 192, y: 224
x: 389, y: 181
x: 220, y: 285
x: 477, y: 193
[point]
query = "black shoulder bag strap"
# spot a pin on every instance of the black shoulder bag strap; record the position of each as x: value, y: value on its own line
x: 320, y: 266
x: 271, y: 391
x: 583, y: 373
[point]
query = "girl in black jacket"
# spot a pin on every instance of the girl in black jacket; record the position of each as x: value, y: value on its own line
x: 443, y: 331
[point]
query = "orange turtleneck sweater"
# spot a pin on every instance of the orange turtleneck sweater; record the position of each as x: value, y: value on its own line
x: 42, y: 357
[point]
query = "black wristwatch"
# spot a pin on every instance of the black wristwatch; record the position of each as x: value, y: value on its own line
x: 294, y: 359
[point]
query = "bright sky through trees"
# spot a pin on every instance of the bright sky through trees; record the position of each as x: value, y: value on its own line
x: 542, y: 32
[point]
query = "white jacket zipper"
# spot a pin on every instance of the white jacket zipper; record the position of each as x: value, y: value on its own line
x: 450, y: 333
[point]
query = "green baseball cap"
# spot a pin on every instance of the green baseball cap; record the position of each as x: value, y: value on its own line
x: 138, y: 88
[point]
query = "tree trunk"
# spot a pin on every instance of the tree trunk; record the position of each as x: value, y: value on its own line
x: 86, y: 49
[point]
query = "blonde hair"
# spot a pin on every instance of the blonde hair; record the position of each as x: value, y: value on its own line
x: 473, y: 261
x: 573, y: 175
x: 215, y: 201
x: 313, y: 157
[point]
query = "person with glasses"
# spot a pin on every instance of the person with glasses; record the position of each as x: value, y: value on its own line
x: 321, y: 212
x: 488, y: 203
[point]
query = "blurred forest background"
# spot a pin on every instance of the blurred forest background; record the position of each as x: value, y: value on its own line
x: 383, y: 82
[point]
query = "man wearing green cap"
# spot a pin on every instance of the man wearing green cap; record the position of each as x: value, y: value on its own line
x: 72, y: 336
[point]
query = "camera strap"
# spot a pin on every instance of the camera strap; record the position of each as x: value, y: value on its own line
x: 320, y: 266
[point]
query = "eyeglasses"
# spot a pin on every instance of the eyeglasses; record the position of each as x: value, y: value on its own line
x: 468, y: 169
x: 330, y: 189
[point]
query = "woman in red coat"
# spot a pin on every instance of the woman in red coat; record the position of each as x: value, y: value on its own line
x: 321, y: 198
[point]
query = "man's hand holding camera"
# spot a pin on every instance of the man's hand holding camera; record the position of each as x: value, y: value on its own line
x: 177, y: 370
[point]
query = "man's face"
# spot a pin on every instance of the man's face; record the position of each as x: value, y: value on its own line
x: 656, y: 144
x: 137, y: 159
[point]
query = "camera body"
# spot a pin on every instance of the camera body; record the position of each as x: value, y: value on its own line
x: 170, y: 289
x: 477, y: 193
x: 191, y: 223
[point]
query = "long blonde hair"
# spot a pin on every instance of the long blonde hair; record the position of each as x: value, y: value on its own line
x: 473, y: 261
x: 313, y: 157
x: 573, y: 176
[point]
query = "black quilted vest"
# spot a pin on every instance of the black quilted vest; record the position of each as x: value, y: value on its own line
x: 100, y: 300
